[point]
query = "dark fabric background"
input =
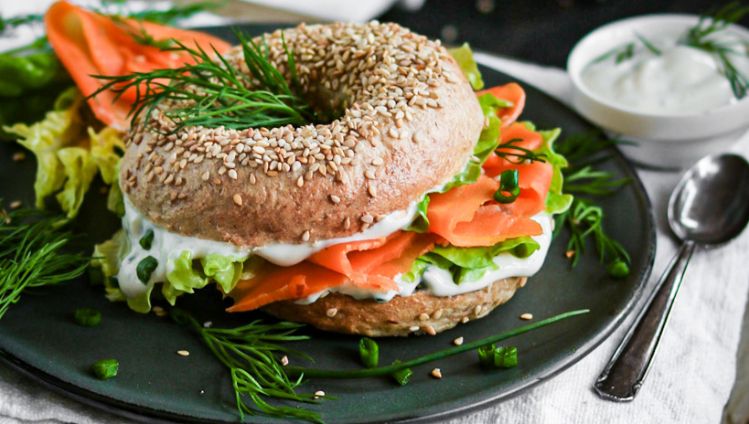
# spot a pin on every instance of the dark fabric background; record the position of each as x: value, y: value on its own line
x: 541, y: 31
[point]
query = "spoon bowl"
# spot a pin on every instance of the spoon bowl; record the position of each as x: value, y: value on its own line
x: 710, y: 205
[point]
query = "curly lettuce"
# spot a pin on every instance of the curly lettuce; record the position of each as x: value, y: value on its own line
x: 59, y: 128
x: 470, y: 263
x: 69, y: 155
x: 464, y: 56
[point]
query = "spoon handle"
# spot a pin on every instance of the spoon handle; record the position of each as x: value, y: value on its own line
x: 625, y: 372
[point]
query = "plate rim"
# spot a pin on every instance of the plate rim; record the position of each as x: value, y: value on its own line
x: 150, y: 415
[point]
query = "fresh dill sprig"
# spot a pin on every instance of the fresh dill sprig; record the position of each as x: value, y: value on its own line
x: 33, y: 254
x: 513, y: 153
x: 249, y: 353
x: 708, y: 25
x: 584, y: 219
x: 212, y: 92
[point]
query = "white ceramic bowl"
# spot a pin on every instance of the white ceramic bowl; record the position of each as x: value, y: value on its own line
x: 665, y: 140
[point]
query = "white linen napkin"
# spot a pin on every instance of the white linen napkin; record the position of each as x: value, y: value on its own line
x: 690, y: 381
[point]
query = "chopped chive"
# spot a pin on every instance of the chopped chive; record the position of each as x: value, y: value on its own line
x: 403, y: 376
x: 147, y: 239
x: 618, y: 268
x: 105, y: 369
x: 87, y: 317
x: 492, y: 356
x: 508, y: 187
x: 145, y: 268
x: 369, y: 352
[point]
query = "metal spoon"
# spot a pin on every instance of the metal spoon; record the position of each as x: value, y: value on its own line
x: 710, y: 205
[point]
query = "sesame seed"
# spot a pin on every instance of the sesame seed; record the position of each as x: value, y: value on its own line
x: 305, y: 236
x: 372, y: 190
x: 436, y: 373
x: 232, y: 174
x: 465, y: 320
x: 569, y: 254
x: 526, y: 316
x: 370, y: 174
x: 477, y: 310
x: 284, y: 360
x: 208, y: 324
x: 206, y: 175
x: 437, y: 314
x: 458, y: 341
x: 159, y: 311
x: 331, y: 312
x: 413, y: 328
x: 19, y: 156
x: 183, y: 352
x: 367, y: 218
x: 423, y: 316
x: 319, y: 394
x: 15, y: 204
x: 429, y: 330
x: 335, y: 199
x: 237, y: 199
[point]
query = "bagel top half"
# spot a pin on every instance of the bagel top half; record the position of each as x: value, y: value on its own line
x: 410, y: 122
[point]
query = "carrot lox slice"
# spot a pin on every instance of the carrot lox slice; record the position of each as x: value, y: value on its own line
x: 492, y: 224
x: 89, y: 44
x: 513, y: 93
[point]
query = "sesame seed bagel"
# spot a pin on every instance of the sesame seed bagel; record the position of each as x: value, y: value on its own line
x: 419, y: 313
x: 410, y: 122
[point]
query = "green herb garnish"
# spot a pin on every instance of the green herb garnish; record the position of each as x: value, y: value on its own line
x: 402, y: 376
x: 87, y: 317
x: 395, y: 367
x: 369, y: 352
x: 709, y: 24
x: 493, y: 356
x: 147, y: 239
x: 34, y: 253
x: 584, y: 219
x: 516, y: 154
x: 212, y: 92
x: 249, y: 353
x: 145, y: 268
x: 105, y: 369
x: 508, y: 187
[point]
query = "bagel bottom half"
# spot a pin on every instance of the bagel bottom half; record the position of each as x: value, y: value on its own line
x: 418, y: 313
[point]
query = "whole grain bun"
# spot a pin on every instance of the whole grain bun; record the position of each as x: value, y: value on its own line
x: 410, y: 121
x: 418, y: 313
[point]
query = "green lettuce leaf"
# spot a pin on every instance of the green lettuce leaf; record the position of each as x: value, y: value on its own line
x: 556, y: 201
x: 464, y: 56
x: 224, y: 270
x: 470, y: 263
x: 183, y: 278
x: 79, y: 170
x: 106, y: 150
x: 106, y: 258
x: 58, y: 129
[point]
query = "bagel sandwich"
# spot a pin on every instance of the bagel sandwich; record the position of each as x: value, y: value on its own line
x: 419, y: 205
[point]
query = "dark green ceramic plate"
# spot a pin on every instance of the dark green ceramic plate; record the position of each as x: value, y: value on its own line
x: 39, y: 337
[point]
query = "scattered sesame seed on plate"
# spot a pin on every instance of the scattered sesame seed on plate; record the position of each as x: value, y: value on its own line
x: 19, y: 156
x: 319, y: 394
x: 436, y: 373
x: 284, y: 360
x: 458, y: 341
x: 526, y: 316
x: 15, y: 204
x: 183, y: 352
